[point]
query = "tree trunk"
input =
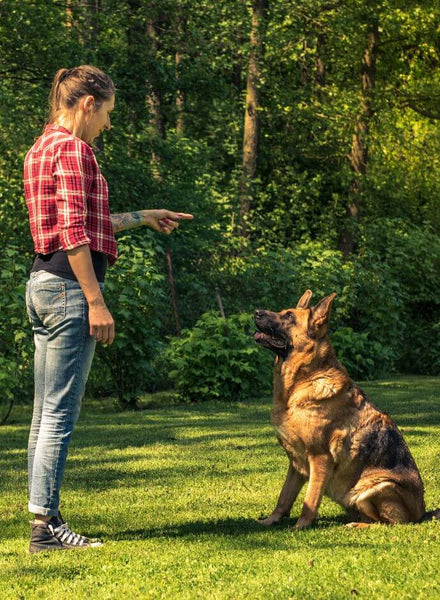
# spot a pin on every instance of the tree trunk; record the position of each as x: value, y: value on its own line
x: 154, y: 102
x: 220, y: 303
x: 180, y: 98
x: 90, y: 10
x: 304, y: 69
x: 69, y: 14
x: 173, y: 294
x: 135, y: 68
x: 319, y: 62
x: 358, y: 156
x: 8, y: 412
x: 251, y: 119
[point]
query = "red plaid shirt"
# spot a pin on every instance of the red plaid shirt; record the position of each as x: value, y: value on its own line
x: 67, y: 195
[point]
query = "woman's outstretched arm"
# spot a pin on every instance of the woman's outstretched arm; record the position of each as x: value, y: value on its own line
x: 161, y: 220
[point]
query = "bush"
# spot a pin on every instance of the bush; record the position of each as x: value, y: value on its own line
x: 402, y: 306
x: 218, y: 360
x: 16, y: 347
x: 134, y: 295
x: 422, y: 350
x: 388, y: 293
x: 362, y: 357
x: 274, y: 278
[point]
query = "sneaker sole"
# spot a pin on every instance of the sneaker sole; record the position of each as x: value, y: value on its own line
x: 54, y: 549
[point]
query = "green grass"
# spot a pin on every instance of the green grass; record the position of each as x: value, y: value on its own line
x: 174, y: 492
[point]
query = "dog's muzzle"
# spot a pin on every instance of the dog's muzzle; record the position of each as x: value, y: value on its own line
x: 267, y: 334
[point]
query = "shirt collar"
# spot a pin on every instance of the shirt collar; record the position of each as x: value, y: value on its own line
x: 55, y: 127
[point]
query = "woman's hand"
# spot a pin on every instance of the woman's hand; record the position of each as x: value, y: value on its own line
x: 102, y: 326
x: 164, y: 220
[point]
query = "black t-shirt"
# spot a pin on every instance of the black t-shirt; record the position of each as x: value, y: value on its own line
x: 57, y: 263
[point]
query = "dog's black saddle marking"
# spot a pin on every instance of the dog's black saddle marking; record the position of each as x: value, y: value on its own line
x: 383, y: 446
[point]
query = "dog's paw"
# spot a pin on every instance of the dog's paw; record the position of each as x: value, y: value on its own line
x: 303, y: 523
x: 271, y: 520
x: 357, y: 525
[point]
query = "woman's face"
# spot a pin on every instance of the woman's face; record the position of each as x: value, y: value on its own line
x: 99, y: 120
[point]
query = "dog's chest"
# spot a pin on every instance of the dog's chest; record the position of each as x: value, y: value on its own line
x: 288, y: 429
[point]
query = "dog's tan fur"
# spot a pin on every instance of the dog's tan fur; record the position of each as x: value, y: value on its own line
x: 334, y: 437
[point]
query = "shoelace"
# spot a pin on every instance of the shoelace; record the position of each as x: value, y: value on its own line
x: 67, y: 536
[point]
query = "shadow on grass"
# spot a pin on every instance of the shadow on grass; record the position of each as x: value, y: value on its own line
x: 242, y: 428
x: 218, y: 527
x: 214, y: 430
x: 248, y: 533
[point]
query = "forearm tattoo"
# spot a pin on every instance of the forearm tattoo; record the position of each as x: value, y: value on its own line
x: 128, y: 220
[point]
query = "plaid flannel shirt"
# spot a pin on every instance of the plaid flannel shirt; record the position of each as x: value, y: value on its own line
x: 67, y: 195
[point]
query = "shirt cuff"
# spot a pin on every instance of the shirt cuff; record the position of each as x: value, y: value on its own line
x: 72, y: 238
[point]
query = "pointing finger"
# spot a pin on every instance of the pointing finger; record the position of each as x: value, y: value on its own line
x: 185, y: 216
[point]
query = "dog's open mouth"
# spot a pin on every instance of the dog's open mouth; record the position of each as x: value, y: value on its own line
x: 269, y: 332
x: 270, y: 340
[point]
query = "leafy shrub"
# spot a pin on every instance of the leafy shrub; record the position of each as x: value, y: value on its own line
x: 218, y: 360
x: 421, y: 352
x: 274, y: 278
x: 412, y: 254
x: 402, y: 307
x: 362, y: 357
x: 388, y: 291
x: 134, y: 295
x: 16, y: 347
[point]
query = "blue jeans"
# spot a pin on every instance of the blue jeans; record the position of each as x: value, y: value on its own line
x: 64, y: 351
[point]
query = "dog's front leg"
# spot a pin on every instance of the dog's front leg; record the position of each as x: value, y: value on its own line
x: 320, y: 471
x: 291, y: 488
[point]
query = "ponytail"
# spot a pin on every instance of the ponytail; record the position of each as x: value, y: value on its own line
x: 69, y: 85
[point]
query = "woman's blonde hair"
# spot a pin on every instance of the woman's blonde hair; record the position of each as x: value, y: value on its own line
x: 69, y: 85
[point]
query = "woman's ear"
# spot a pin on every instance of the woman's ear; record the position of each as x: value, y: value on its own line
x: 88, y: 104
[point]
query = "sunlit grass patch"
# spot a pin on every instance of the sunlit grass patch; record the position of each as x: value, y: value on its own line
x: 175, y: 492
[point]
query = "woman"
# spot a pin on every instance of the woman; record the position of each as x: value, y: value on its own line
x: 73, y: 234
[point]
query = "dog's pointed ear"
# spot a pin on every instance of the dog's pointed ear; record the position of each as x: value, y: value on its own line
x: 320, y: 314
x: 303, y: 302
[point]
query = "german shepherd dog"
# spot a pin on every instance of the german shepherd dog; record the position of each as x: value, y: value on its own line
x: 334, y: 437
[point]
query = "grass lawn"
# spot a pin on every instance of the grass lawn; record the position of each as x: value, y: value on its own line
x: 174, y: 493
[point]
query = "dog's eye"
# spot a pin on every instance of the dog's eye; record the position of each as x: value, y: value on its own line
x: 288, y: 317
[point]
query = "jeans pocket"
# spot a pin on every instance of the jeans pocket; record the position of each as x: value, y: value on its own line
x: 49, y: 300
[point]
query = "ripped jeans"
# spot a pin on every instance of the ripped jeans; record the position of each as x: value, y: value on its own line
x: 64, y: 351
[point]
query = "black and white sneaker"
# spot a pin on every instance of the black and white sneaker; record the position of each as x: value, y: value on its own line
x: 57, y: 535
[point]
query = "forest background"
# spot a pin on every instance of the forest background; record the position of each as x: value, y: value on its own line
x: 304, y: 137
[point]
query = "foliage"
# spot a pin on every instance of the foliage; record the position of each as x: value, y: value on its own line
x: 311, y: 104
x: 383, y: 298
x: 421, y: 353
x: 134, y: 295
x: 249, y: 276
x: 402, y: 307
x: 363, y: 359
x: 16, y: 374
x: 218, y: 360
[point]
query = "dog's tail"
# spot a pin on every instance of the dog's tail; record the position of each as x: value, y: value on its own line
x: 432, y: 515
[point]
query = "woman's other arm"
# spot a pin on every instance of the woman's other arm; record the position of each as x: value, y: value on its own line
x: 101, y: 323
x: 161, y: 220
